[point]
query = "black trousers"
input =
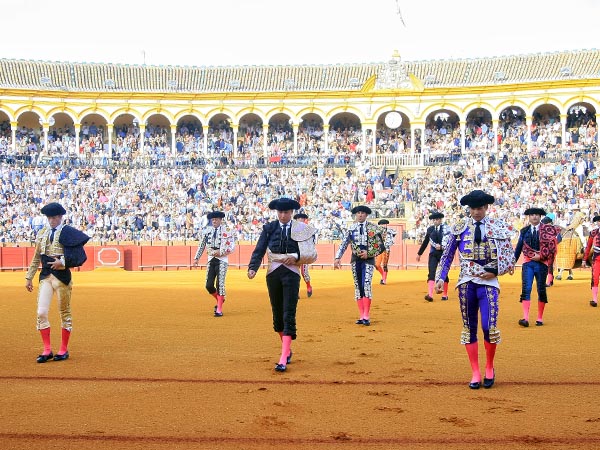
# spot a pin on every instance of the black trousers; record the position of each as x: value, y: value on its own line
x: 212, y: 275
x: 432, y: 263
x: 283, y: 286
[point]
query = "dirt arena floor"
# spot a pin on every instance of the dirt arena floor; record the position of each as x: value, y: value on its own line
x: 151, y: 368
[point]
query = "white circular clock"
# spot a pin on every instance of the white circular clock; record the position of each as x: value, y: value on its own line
x: 393, y: 120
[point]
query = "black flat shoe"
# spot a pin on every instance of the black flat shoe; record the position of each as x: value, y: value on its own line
x: 429, y: 298
x: 593, y: 303
x: 280, y: 368
x: 489, y: 382
x: 539, y: 323
x: 444, y: 298
x: 62, y: 357
x: 360, y: 322
x: 475, y: 385
x: 217, y: 314
x: 366, y: 322
x: 43, y: 358
x: 289, y: 357
x: 524, y: 323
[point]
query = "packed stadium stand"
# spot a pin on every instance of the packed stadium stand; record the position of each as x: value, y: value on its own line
x: 139, y: 154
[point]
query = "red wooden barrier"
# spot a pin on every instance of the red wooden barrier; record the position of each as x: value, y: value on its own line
x: 180, y: 257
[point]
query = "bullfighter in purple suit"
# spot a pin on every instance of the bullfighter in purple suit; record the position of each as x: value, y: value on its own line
x: 486, y: 252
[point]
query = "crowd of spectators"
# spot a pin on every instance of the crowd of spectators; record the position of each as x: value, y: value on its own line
x: 341, y: 145
x: 169, y: 203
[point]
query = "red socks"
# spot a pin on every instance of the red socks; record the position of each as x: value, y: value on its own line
x: 46, y: 340
x: 65, y: 335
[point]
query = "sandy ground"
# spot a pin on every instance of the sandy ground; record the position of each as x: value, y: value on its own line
x: 151, y: 368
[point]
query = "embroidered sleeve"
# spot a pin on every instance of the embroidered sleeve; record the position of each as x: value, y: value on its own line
x: 201, y: 246
x: 447, y: 257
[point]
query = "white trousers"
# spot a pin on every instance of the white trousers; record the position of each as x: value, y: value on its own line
x: 49, y: 286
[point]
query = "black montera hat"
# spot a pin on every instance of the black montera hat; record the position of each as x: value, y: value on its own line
x: 300, y: 216
x: 383, y: 222
x: 53, y: 209
x: 284, y: 204
x: 361, y: 208
x: 215, y: 215
x: 596, y: 219
x: 437, y: 215
x: 530, y: 211
x: 477, y: 199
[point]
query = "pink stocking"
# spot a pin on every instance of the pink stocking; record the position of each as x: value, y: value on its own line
x: 490, y: 352
x: 361, y: 307
x: 46, y: 340
x: 472, y: 352
x: 445, y: 294
x: 430, y: 286
x: 367, y: 307
x: 526, y: 304
x: 65, y: 335
x: 220, y: 300
x: 541, y: 306
x: 595, y: 294
x: 286, y: 344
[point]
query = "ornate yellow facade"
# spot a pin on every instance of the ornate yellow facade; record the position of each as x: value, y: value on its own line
x: 56, y: 94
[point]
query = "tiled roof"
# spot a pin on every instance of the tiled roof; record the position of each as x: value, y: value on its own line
x: 93, y: 77
x: 581, y: 64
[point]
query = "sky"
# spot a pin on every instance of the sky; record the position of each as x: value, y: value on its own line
x: 288, y: 32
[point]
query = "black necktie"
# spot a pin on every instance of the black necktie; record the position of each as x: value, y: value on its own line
x: 283, y: 244
x: 534, y: 238
x: 52, y: 235
x: 478, y: 232
x: 362, y: 230
x: 215, y: 236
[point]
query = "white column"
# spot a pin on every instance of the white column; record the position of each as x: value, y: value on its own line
x: 374, y: 139
x: 265, y: 141
x: 173, y: 140
x: 463, y: 136
x: 142, y: 132
x: 77, y: 131
x: 109, y: 130
x: 563, y: 129
x: 13, y: 133
x: 326, y: 137
x: 364, y: 141
x: 528, y: 133
x: 205, y: 136
x: 46, y: 138
x: 495, y: 124
x: 295, y: 126
x: 235, y: 137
